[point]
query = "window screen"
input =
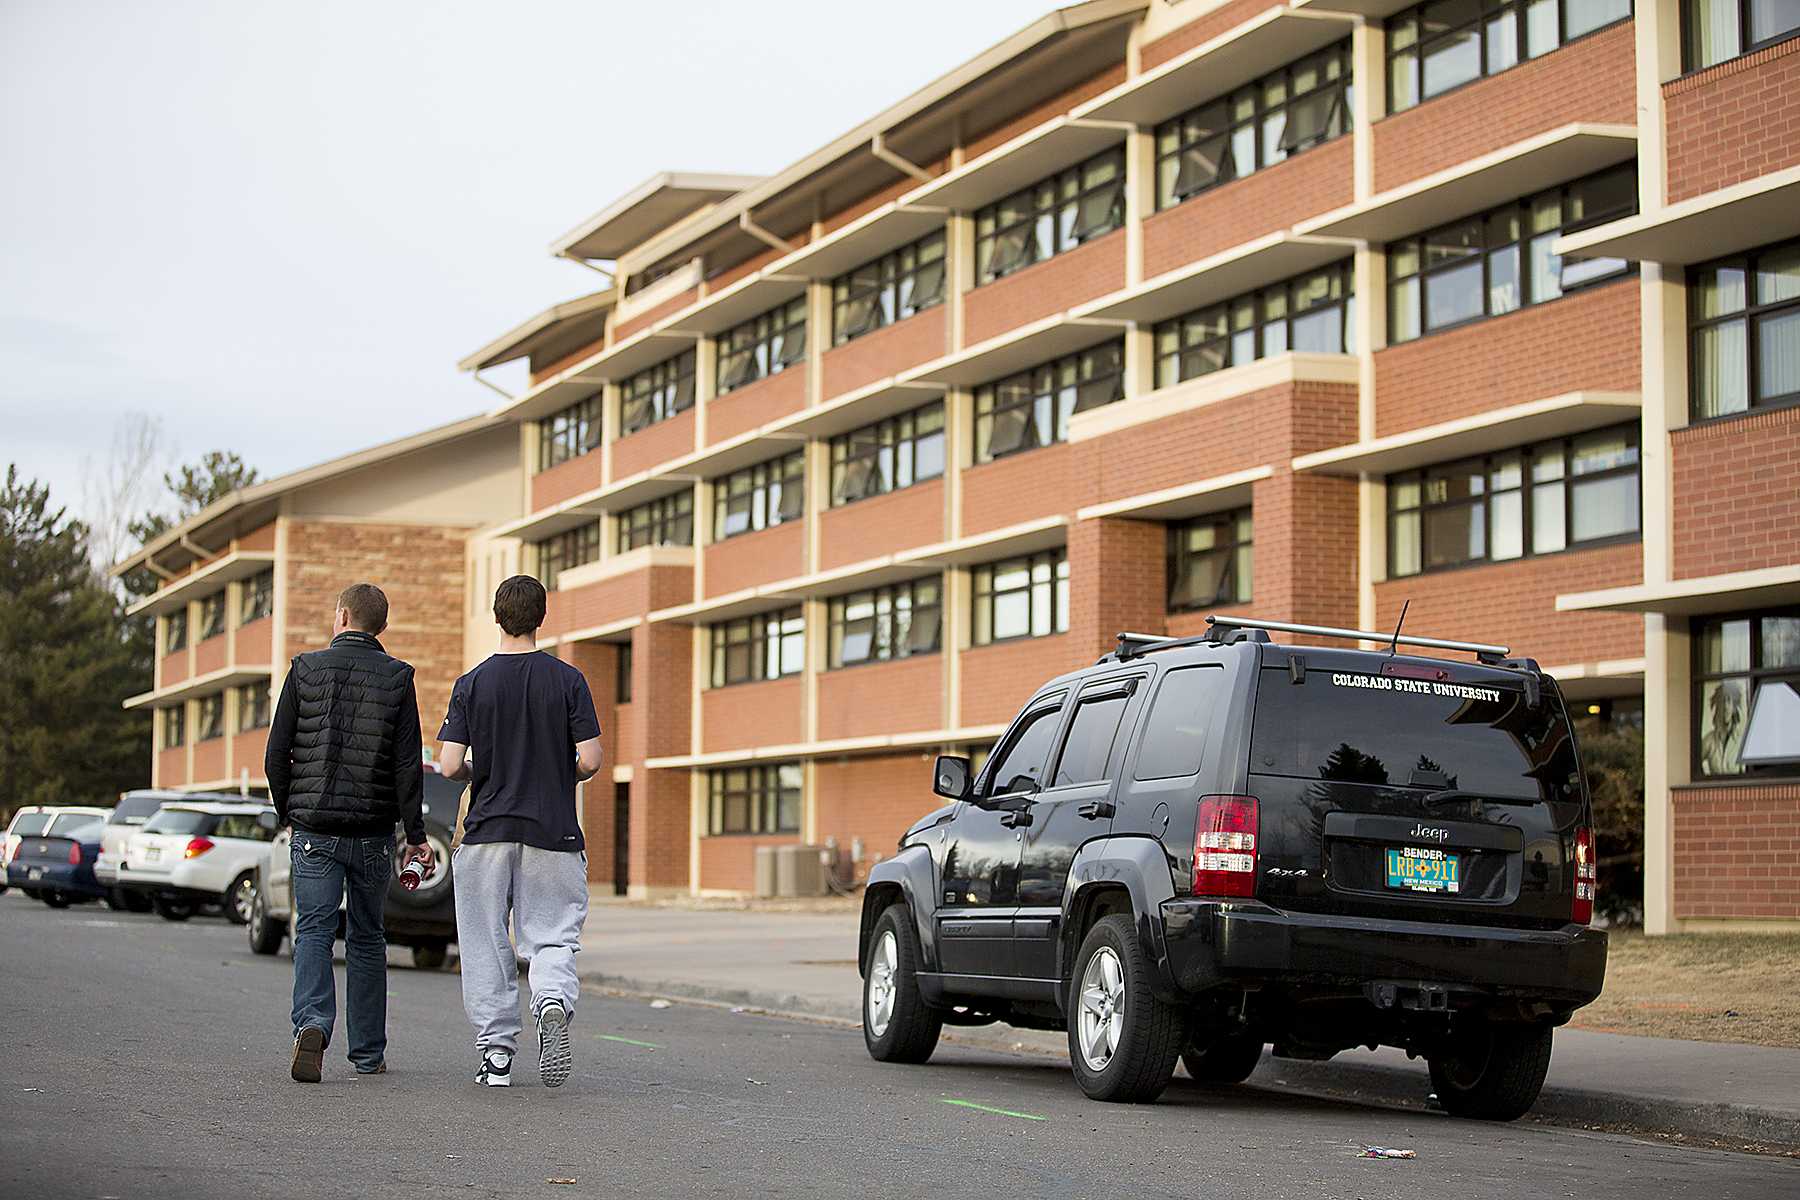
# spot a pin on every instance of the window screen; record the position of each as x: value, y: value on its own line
x: 1180, y: 718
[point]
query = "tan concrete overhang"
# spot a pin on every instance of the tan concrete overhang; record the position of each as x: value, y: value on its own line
x: 1500, y: 429
x: 646, y: 210
x: 1222, y: 276
x: 745, y: 602
x: 1016, y: 350
x: 1192, y: 395
x: 874, y: 744
x: 1375, y: 9
x: 612, y: 631
x: 861, y: 576
x: 1542, y: 161
x: 576, y: 511
x: 868, y: 237
x: 1263, y: 44
x: 1596, y: 680
x: 240, y: 564
x: 1753, y: 213
x: 1196, y: 499
x: 577, y: 321
x: 864, y: 406
x: 1703, y: 594
x: 1017, y: 164
x: 744, y: 300
x: 199, y: 685
x: 618, y: 361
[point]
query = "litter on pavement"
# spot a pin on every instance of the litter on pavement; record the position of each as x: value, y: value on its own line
x: 1385, y: 1152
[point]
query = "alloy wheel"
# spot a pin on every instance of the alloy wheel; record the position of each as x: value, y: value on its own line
x: 1102, y: 1008
x: 243, y: 900
x: 884, y: 967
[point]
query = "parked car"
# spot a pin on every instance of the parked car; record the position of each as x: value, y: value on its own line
x: 41, y: 822
x: 135, y: 808
x: 424, y: 919
x: 1198, y: 847
x: 57, y: 866
x: 198, y: 854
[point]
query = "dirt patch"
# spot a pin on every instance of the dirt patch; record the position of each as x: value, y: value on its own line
x: 1707, y: 987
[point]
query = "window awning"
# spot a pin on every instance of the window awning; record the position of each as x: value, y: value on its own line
x: 868, y: 237
x: 1754, y: 213
x: 852, y: 410
x: 1017, y: 350
x: 1764, y: 588
x: 240, y: 564
x: 1196, y: 499
x: 1223, y: 276
x: 1019, y: 163
x: 1501, y: 429
x: 742, y: 301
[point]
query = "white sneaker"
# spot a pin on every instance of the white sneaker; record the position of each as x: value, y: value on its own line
x: 555, y: 1060
x: 496, y: 1069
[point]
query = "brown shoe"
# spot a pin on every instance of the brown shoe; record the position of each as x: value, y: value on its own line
x: 309, y: 1054
x: 379, y: 1068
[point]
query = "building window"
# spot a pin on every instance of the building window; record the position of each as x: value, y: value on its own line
x: 1715, y: 30
x: 1744, y: 342
x: 888, y: 455
x: 570, y: 549
x: 1051, y: 216
x: 754, y: 799
x: 212, y: 616
x: 1293, y: 109
x: 174, y: 726
x: 1436, y: 47
x: 570, y: 433
x: 751, y: 649
x: 1022, y: 597
x: 259, y: 597
x: 253, y: 707
x: 212, y: 717
x: 656, y: 394
x: 1209, y: 561
x: 175, y: 629
x: 665, y: 522
x: 1313, y: 313
x: 759, y: 497
x: 889, y: 289
x: 1536, y: 500
x: 1500, y: 261
x: 622, y: 658
x: 765, y: 346
x: 1032, y: 408
x: 1747, y: 694
x: 889, y: 622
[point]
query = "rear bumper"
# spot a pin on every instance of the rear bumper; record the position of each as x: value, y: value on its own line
x: 1213, y: 943
x: 105, y: 874
x: 59, y: 877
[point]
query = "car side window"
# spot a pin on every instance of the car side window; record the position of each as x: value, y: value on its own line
x: 1089, y: 743
x: 1181, y: 717
x: 1020, y: 766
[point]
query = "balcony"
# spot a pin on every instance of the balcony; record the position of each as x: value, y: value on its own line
x: 219, y: 680
x: 239, y: 564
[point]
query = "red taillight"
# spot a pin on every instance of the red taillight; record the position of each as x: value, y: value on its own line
x: 1585, y: 875
x: 197, y: 847
x: 1225, y: 846
x: 75, y: 854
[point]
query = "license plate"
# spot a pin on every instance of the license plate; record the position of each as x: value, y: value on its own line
x: 152, y: 853
x: 35, y: 873
x: 1417, y: 869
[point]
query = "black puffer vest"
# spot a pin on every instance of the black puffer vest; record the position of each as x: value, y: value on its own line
x: 349, y: 697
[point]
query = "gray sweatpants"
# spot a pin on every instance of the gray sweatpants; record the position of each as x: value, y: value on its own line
x: 545, y: 893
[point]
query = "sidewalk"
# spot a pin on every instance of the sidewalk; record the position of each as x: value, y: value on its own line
x: 806, y: 963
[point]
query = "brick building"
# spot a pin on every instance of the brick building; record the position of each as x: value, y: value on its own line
x: 252, y: 581
x: 1157, y: 309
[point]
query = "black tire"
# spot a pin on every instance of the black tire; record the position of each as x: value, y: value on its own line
x: 912, y: 1028
x: 115, y: 899
x: 172, y: 910
x: 1491, y: 1072
x: 240, y: 897
x: 1150, y: 1032
x: 265, y: 935
x: 431, y: 956
x: 56, y: 899
x: 133, y: 901
x: 1227, y: 1060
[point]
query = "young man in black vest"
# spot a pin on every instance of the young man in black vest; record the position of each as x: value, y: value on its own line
x: 344, y: 766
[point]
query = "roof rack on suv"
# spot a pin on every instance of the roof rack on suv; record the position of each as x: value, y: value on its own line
x: 1219, y: 629
x: 1134, y: 645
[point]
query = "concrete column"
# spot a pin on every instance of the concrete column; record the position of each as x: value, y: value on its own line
x: 1668, y: 673
x: 1368, y: 60
x: 959, y: 271
x: 706, y: 380
x: 1140, y: 199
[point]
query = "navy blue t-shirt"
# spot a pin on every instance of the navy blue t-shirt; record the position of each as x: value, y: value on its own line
x: 521, y: 716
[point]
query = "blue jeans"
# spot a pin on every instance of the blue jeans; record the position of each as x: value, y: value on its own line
x: 324, y: 866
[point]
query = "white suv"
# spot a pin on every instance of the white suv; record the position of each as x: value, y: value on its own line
x: 196, y: 854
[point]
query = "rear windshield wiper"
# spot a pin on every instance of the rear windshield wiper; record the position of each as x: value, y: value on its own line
x: 1453, y: 795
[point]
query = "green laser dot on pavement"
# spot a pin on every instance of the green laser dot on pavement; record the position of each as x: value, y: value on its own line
x: 608, y: 1037
x: 999, y: 1112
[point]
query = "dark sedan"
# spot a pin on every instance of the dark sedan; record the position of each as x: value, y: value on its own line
x: 59, y: 868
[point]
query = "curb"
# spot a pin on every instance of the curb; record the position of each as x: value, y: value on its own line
x: 1582, y: 1108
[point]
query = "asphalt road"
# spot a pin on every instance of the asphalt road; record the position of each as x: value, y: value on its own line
x: 148, y: 1059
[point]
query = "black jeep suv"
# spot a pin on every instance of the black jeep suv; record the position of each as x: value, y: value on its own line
x: 1198, y: 847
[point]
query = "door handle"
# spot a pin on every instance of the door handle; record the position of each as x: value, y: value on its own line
x: 1095, y: 810
x: 1013, y: 820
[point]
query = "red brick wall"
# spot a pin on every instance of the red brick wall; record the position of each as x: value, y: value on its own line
x: 1737, y: 493
x: 998, y: 679
x: 752, y: 714
x: 247, y: 751
x: 209, y: 655
x: 654, y: 445
x: 1017, y: 488
x: 1055, y: 106
x: 653, y: 314
x: 913, y: 516
x: 541, y: 373
x: 918, y: 339
x: 876, y: 798
x: 871, y: 201
x: 631, y: 594
x: 728, y: 863
x: 253, y: 642
x: 1588, y: 340
x: 1310, y: 183
x: 171, y: 767
x: 1592, y: 80
x: 1514, y: 604
x: 662, y: 694
x: 1735, y: 849
x: 1734, y: 121
x: 261, y: 538
x: 209, y: 759
x: 1201, y: 30
x: 173, y: 668
x: 565, y: 479
x: 1051, y: 286
x: 756, y: 262
x: 752, y: 558
x: 756, y: 404
x: 660, y: 824
x: 420, y: 567
x: 597, y: 662
x: 1303, y: 565
x: 880, y: 698
x: 1118, y: 580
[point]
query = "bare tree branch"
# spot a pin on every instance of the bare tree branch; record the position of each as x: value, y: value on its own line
x: 123, y: 485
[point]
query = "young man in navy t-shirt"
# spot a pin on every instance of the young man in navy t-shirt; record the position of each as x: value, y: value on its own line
x: 522, y: 729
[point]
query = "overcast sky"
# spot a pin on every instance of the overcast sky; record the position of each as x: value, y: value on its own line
x: 277, y: 226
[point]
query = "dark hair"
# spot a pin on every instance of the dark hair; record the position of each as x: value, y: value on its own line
x: 367, y: 606
x: 519, y: 605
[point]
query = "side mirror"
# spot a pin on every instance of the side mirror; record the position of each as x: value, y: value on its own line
x: 267, y: 821
x: 950, y: 777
